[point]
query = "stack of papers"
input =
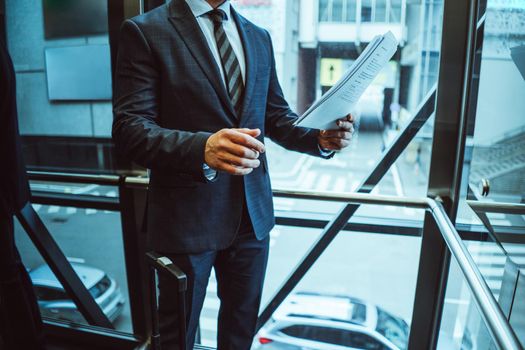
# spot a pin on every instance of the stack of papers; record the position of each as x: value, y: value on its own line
x: 342, y: 97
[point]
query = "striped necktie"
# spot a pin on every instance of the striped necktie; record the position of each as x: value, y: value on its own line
x: 230, y: 64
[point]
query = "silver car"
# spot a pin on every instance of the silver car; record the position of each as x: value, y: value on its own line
x: 55, y: 303
x: 311, y: 321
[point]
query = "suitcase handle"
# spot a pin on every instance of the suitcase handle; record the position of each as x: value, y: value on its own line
x: 162, y: 264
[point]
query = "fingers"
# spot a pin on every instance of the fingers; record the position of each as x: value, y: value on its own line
x: 234, y: 170
x: 346, y: 125
x: 341, y: 134
x: 239, y: 161
x: 245, y: 139
x: 251, y: 132
x: 334, y: 144
x: 234, y: 151
x: 240, y: 151
x: 337, y: 139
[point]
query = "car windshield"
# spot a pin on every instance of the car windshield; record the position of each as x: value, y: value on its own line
x: 99, y: 288
x: 392, y: 328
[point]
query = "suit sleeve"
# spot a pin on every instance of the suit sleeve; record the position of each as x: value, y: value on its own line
x: 280, y: 118
x: 137, y: 130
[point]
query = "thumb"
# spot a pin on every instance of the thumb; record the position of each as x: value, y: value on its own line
x: 251, y: 132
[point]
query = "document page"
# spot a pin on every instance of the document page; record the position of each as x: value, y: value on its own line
x: 342, y: 97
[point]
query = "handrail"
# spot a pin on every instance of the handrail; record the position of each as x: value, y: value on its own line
x: 136, y: 181
x: 109, y: 180
x: 497, y: 207
x: 353, y: 197
x: 495, y: 320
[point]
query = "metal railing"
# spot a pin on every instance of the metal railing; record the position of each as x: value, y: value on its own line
x: 497, y: 207
x: 495, y: 320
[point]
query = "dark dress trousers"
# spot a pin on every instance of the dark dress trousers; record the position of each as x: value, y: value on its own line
x: 168, y: 99
x: 20, y: 322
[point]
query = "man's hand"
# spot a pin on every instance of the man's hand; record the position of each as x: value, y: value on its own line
x: 234, y: 151
x: 337, y: 139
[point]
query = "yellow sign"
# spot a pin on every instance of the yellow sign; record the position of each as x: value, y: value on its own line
x: 331, y: 71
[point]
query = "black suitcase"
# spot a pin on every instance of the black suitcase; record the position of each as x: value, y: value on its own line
x: 161, y: 264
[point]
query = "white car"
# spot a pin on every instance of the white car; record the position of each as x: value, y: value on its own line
x: 55, y: 303
x: 311, y: 321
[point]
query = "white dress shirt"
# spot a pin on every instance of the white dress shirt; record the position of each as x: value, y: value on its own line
x: 199, y: 8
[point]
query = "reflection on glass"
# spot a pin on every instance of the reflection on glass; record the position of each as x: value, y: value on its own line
x: 91, y: 239
x: 498, y: 135
x: 462, y: 326
x: 495, y: 160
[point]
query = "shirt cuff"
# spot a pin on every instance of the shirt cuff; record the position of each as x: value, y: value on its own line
x: 325, y: 152
x: 209, y: 173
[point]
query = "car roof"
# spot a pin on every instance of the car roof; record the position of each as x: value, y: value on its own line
x: 43, y: 276
x: 331, y: 307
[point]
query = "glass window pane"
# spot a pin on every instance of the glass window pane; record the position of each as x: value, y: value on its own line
x: 395, y: 11
x: 337, y: 11
x: 498, y: 83
x: 352, y: 280
x: 324, y: 11
x: 383, y: 111
x: 351, y: 7
x: 366, y: 10
x: 65, y: 119
x: 380, y: 11
x: 494, y: 159
x: 358, y: 272
x: 91, y: 239
x: 462, y: 326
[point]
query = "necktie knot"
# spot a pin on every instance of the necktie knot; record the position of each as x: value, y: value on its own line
x: 217, y: 16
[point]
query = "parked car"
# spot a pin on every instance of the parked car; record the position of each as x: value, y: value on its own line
x: 312, y: 321
x: 55, y: 303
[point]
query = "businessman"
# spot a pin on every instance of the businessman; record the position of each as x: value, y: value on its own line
x: 196, y: 92
x: 20, y: 322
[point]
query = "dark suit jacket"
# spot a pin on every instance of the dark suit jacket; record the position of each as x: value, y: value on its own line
x: 14, y: 187
x: 168, y: 99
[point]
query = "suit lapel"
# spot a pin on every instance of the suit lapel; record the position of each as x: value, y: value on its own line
x: 250, y: 55
x: 186, y: 25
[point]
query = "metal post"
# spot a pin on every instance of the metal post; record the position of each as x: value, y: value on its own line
x: 181, y: 299
x: 3, y: 26
x: 155, y: 334
x: 457, y: 51
x: 132, y: 207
